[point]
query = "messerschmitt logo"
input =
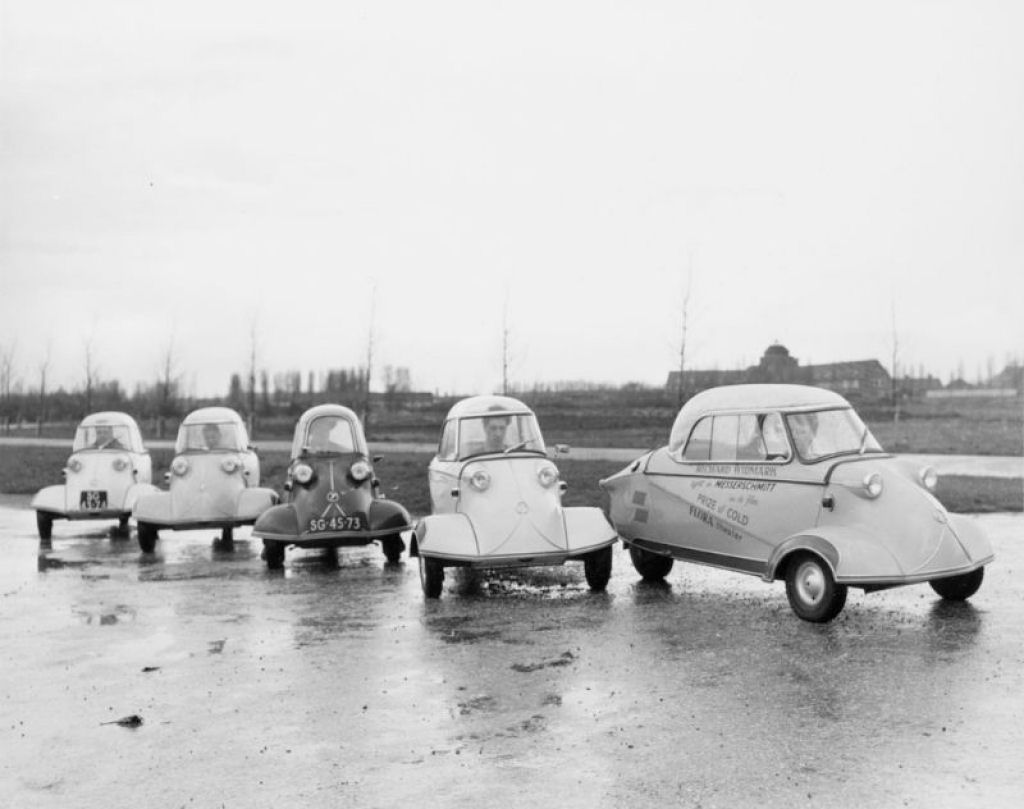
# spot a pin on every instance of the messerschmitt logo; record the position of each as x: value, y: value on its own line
x: 333, y: 498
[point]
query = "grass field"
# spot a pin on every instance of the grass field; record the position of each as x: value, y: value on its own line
x: 26, y: 469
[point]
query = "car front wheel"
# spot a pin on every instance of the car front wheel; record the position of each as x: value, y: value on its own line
x: 147, y: 537
x: 597, y: 567
x: 651, y: 566
x: 392, y: 547
x: 812, y: 590
x: 273, y: 554
x: 44, y: 522
x: 959, y: 588
x: 431, y: 577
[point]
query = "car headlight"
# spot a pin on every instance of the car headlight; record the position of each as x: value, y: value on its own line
x: 360, y: 471
x: 873, y: 485
x: 75, y: 465
x: 180, y: 466
x: 303, y: 473
x: 480, y: 480
x: 229, y: 465
x: 120, y: 464
x: 547, y: 475
x: 929, y: 478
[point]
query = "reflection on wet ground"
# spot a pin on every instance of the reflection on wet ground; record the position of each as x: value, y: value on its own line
x: 334, y: 682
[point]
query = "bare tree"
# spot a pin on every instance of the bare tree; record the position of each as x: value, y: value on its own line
x: 91, y: 371
x: 252, y: 379
x: 681, y: 388
x: 44, y: 367
x: 370, y: 338
x: 505, y: 345
x: 894, y: 392
x: 167, y: 387
x: 7, y: 380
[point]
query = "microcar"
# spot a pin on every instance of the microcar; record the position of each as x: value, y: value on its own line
x: 786, y: 482
x: 496, y: 500
x: 109, y: 469
x: 332, y: 496
x: 213, y: 480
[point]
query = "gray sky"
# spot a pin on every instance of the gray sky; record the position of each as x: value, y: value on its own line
x: 182, y: 171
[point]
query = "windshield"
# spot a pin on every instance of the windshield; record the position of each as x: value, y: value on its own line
x: 103, y: 436
x: 329, y: 434
x: 822, y: 433
x: 499, y: 434
x: 211, y: 436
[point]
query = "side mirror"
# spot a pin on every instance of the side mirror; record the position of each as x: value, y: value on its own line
x: 287, y: 485
x: 561, y: 449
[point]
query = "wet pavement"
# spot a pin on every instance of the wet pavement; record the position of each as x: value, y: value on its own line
x: 338, y: 685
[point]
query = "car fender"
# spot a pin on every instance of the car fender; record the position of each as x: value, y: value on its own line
x: 276, y: 522
x: 586, y: 528
x: 51, y: 498
x: 387, y: 514
x: 446, y: 535
x: 972, y: 539
x: 849, y: 552
x: 253, y: 502
x: 154, y: 507
x: 137, y: 491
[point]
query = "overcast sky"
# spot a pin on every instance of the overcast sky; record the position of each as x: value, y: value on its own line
x: 190, y: 173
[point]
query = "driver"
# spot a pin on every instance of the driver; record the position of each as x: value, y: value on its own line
x: 105, y: 438
x: 804, y: 427
x: 495, y: 428
x: 211, y: 436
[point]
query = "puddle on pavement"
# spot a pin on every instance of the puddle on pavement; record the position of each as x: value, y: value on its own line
x: 106, y: 616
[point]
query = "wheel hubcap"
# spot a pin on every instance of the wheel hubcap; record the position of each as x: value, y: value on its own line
x: 810, y: 583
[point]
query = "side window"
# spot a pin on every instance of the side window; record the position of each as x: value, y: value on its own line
x: 724, y: 438
x: 446, y: 451
x: 775, y: 444
x: 698, y: 448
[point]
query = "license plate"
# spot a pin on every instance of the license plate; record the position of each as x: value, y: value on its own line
x: 346, y: 523
x: 93, y: 500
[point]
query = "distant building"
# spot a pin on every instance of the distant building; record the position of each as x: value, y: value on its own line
x: 860, y: 379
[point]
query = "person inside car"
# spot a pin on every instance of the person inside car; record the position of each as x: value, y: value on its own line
x: 211, y: 436
x: 105, y: 438
x: 319, y: 438
x: 495, y: 428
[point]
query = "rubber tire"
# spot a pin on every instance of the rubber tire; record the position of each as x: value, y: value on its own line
x: 650, y: 566
x: 227, y: 535
x: 122, y: 527
x: 392, y: 547
x: 809, y: 571
x: 597, y: 567
x: 431, y: 577
x: 148, y: 535
x: 273, y: 554
x: 44, y: 522
x: 959, y: 588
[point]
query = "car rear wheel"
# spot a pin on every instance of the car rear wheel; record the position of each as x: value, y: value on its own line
x: 273, y: 554
x: 431, y: 577
x: 812, y: 590
x: 597, y: 567
x: 44, y: 522
x: 147, y: 537
x: 651, y: 566
x: 122, y: 527
x: 959, y: 588
x: 393, y: 547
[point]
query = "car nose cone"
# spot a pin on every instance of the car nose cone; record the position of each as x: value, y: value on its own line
x: 522, y: 507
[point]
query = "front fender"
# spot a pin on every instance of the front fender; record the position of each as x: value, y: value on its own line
x: 277, y: 522
x: 974, y: 542
x: 387, y: 514
x: 137, y: 492
x: 586, y: 529
x: 447, y: 536
x: 50, y: 498
x: 253, y: 502
x: 154, y: 507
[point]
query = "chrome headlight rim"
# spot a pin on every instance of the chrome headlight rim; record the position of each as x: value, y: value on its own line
x: 929, y: 477
x: 302, y: 473
x: 547, y: 475
x: 180, y: 466
x: 480, y: 479
x: 360, y: 471
x: 230, y: 465
x: 74, y: 465
x: 873, y: 485
x: 120, y: 463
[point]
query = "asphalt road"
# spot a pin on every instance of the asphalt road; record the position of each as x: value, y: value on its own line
x: 338, y: 685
